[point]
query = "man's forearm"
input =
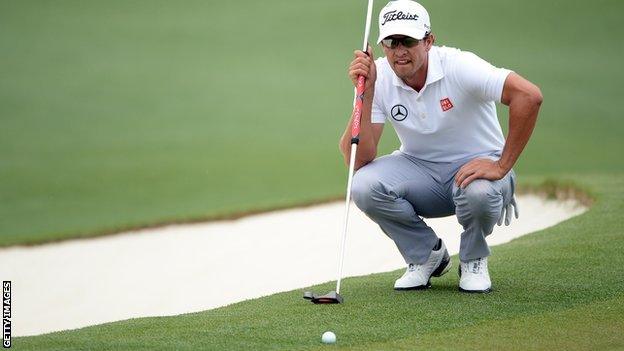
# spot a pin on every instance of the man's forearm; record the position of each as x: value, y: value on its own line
x: 367, y: 148
x: 522, y: 117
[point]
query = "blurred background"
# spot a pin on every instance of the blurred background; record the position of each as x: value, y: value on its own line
x: 122, y: 114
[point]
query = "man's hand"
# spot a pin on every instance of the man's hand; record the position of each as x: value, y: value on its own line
x: 506, y: 212
x: 364, y: 65
x: 479, y: 168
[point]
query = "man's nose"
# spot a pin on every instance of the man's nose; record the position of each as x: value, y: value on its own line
x: 400, y: 49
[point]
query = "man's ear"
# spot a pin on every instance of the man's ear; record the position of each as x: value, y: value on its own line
x: 430, y: 40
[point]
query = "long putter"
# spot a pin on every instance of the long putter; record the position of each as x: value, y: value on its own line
x: 358, y: 100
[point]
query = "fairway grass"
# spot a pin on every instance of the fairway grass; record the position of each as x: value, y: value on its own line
x: 117, y: 115
x: 560, y: 287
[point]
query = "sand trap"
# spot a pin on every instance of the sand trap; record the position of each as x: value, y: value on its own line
x: 188, y: 268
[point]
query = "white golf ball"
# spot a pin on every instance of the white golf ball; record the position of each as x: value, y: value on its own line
x: 328, y: 337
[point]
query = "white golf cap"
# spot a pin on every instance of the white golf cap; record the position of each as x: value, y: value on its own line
x: 403, y: 17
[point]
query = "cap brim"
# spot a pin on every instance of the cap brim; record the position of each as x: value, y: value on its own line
x: 410, y: 32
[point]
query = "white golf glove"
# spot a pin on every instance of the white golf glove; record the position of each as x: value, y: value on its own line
x: 506, y: 212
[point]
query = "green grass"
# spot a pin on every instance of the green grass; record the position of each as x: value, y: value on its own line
x: 125, y: 114
x: 560, y: 288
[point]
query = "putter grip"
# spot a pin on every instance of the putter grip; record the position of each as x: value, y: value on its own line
x: 357, y: 110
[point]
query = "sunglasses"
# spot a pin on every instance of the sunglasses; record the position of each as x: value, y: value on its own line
x: 393, y: 43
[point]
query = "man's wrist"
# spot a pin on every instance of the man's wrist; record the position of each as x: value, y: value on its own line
x: 503, y: 167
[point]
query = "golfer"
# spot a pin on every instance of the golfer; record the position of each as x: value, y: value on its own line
x: 453, y: 157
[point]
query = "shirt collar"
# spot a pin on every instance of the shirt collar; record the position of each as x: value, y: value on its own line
x: 434, y: 71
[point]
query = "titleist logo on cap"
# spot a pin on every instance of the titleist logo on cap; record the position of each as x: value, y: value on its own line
x: 394, y: 16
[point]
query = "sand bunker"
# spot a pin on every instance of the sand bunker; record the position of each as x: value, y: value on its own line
x: 189, y: 268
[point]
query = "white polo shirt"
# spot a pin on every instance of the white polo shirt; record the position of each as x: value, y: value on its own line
x: 454, y: 114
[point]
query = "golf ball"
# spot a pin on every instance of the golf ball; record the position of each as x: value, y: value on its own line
x: 328, y: 337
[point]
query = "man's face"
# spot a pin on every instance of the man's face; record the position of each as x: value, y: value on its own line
x: 406, y: 55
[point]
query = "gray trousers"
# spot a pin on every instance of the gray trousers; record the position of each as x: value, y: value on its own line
x: 397, y: 190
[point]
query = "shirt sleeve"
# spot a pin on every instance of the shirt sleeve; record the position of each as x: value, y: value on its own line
x: 479, y: 78
x: 377, y: 113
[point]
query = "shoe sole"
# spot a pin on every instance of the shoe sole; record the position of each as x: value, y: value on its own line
x: 444, y: 266
x: 486, y: 291
x: 419, y: 287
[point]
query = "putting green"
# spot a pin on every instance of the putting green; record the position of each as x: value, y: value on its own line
x: 560, y: 287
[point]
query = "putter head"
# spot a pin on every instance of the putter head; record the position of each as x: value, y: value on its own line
x: 330, y: 297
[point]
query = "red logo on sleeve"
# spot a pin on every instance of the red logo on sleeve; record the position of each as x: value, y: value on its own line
x: 446, y: 104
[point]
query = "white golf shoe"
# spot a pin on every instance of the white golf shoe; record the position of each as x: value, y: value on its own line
x: 474, y: 276
x: 417, y: 275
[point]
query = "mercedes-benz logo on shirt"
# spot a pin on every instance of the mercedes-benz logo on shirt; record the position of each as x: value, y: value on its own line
x: 398, y: 112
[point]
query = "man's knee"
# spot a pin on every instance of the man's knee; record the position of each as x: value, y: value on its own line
x: 479, y: 199
x: 366, y: 190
